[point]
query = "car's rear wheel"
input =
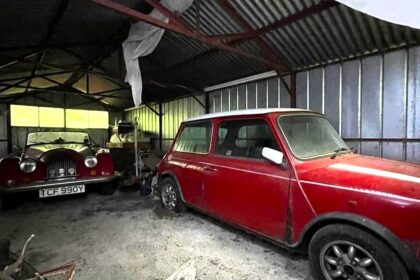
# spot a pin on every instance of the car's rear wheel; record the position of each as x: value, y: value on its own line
x: 344, y: 252
x: 170, y: 196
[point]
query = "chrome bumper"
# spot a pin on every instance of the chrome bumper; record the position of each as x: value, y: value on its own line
x: 56, y: 183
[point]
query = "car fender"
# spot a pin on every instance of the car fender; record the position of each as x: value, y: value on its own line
x: 10, y: 169
x: 105, y: 163
x: 171, y: 175
x: 377, y: 229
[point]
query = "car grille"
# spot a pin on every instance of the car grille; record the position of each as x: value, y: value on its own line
x: 61, y: 168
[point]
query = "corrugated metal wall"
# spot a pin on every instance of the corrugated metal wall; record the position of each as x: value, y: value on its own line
x: 268, y: 93
x: 174, y: 113
x: 373, y: 102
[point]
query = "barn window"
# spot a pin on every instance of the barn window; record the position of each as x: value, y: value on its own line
x: 51, y: 117
x: 34, y: 116
x: 26, y: 116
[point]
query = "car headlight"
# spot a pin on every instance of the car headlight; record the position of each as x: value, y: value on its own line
x: 91, y: 161
x: 28, y: 165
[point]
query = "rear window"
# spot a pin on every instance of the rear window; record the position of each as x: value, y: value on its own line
x: 194, y: 138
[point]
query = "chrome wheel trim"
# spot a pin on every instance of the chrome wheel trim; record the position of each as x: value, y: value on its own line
x: 342, y: 260
x: 169, y: 196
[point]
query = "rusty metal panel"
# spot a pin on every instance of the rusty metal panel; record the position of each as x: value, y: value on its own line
x: 302, y: 89
x: 394, y: 95
x: 251, y: 95
x: 273, y: 92
x: 316, y: 90
x: 332, y: 95
x: 262, y: 92
x: 371, y: 97
x: 350, y: 100
x: 413, y: 98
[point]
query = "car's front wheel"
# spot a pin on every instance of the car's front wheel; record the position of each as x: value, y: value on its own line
x: 344, y: 252
x: 170, y: 196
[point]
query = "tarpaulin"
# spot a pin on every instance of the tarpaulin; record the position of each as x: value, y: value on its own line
x: 403, y: 12
x: 142, y: 39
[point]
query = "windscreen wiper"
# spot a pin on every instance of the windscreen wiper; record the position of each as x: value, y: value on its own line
x: 38, y: 143
x: 336, y: 152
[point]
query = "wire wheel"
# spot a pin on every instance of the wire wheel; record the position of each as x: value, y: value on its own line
x: 341, y: 260
x: 169, y: 196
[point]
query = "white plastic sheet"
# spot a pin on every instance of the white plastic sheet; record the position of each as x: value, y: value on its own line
x: 403, y: 12
x: 142, y: 40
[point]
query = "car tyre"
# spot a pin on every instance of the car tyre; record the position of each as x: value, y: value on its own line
x: 109, y: 188
x: 346, y: 252
x: 169, y: 195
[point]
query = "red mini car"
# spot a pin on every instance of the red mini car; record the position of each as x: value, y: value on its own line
x: 56, y: 163
x: 286, y: 175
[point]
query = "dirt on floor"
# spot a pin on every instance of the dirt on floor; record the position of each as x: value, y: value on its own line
x: 128, y: 236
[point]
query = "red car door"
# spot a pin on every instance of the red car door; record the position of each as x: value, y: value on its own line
x: 189, y: 153
x: 240, y: 186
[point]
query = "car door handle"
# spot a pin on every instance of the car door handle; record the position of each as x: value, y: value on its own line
x: 209, y: 168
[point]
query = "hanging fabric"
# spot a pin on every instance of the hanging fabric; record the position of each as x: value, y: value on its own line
x: 403, y: 12
x: 142, y: 40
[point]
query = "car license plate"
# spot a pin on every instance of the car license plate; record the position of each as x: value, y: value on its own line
x: 66, y: 190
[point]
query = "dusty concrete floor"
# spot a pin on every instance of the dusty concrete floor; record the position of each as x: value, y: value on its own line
x: 127, y: 236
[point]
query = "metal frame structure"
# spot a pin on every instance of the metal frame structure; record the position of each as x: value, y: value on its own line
x: 300, y: 18
x: 226, y: 42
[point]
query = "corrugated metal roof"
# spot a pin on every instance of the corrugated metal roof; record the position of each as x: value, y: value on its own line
x: 337, y: 33
x: 334, y: 34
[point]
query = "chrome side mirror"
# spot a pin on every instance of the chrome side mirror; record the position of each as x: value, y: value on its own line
x: 273, y: 155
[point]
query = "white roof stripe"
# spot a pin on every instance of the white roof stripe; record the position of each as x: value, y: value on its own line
x: 245, y: 112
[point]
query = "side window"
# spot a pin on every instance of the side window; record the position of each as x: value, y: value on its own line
x: 194, y: 138
x: 221, y: 135
x: 244, y: 138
